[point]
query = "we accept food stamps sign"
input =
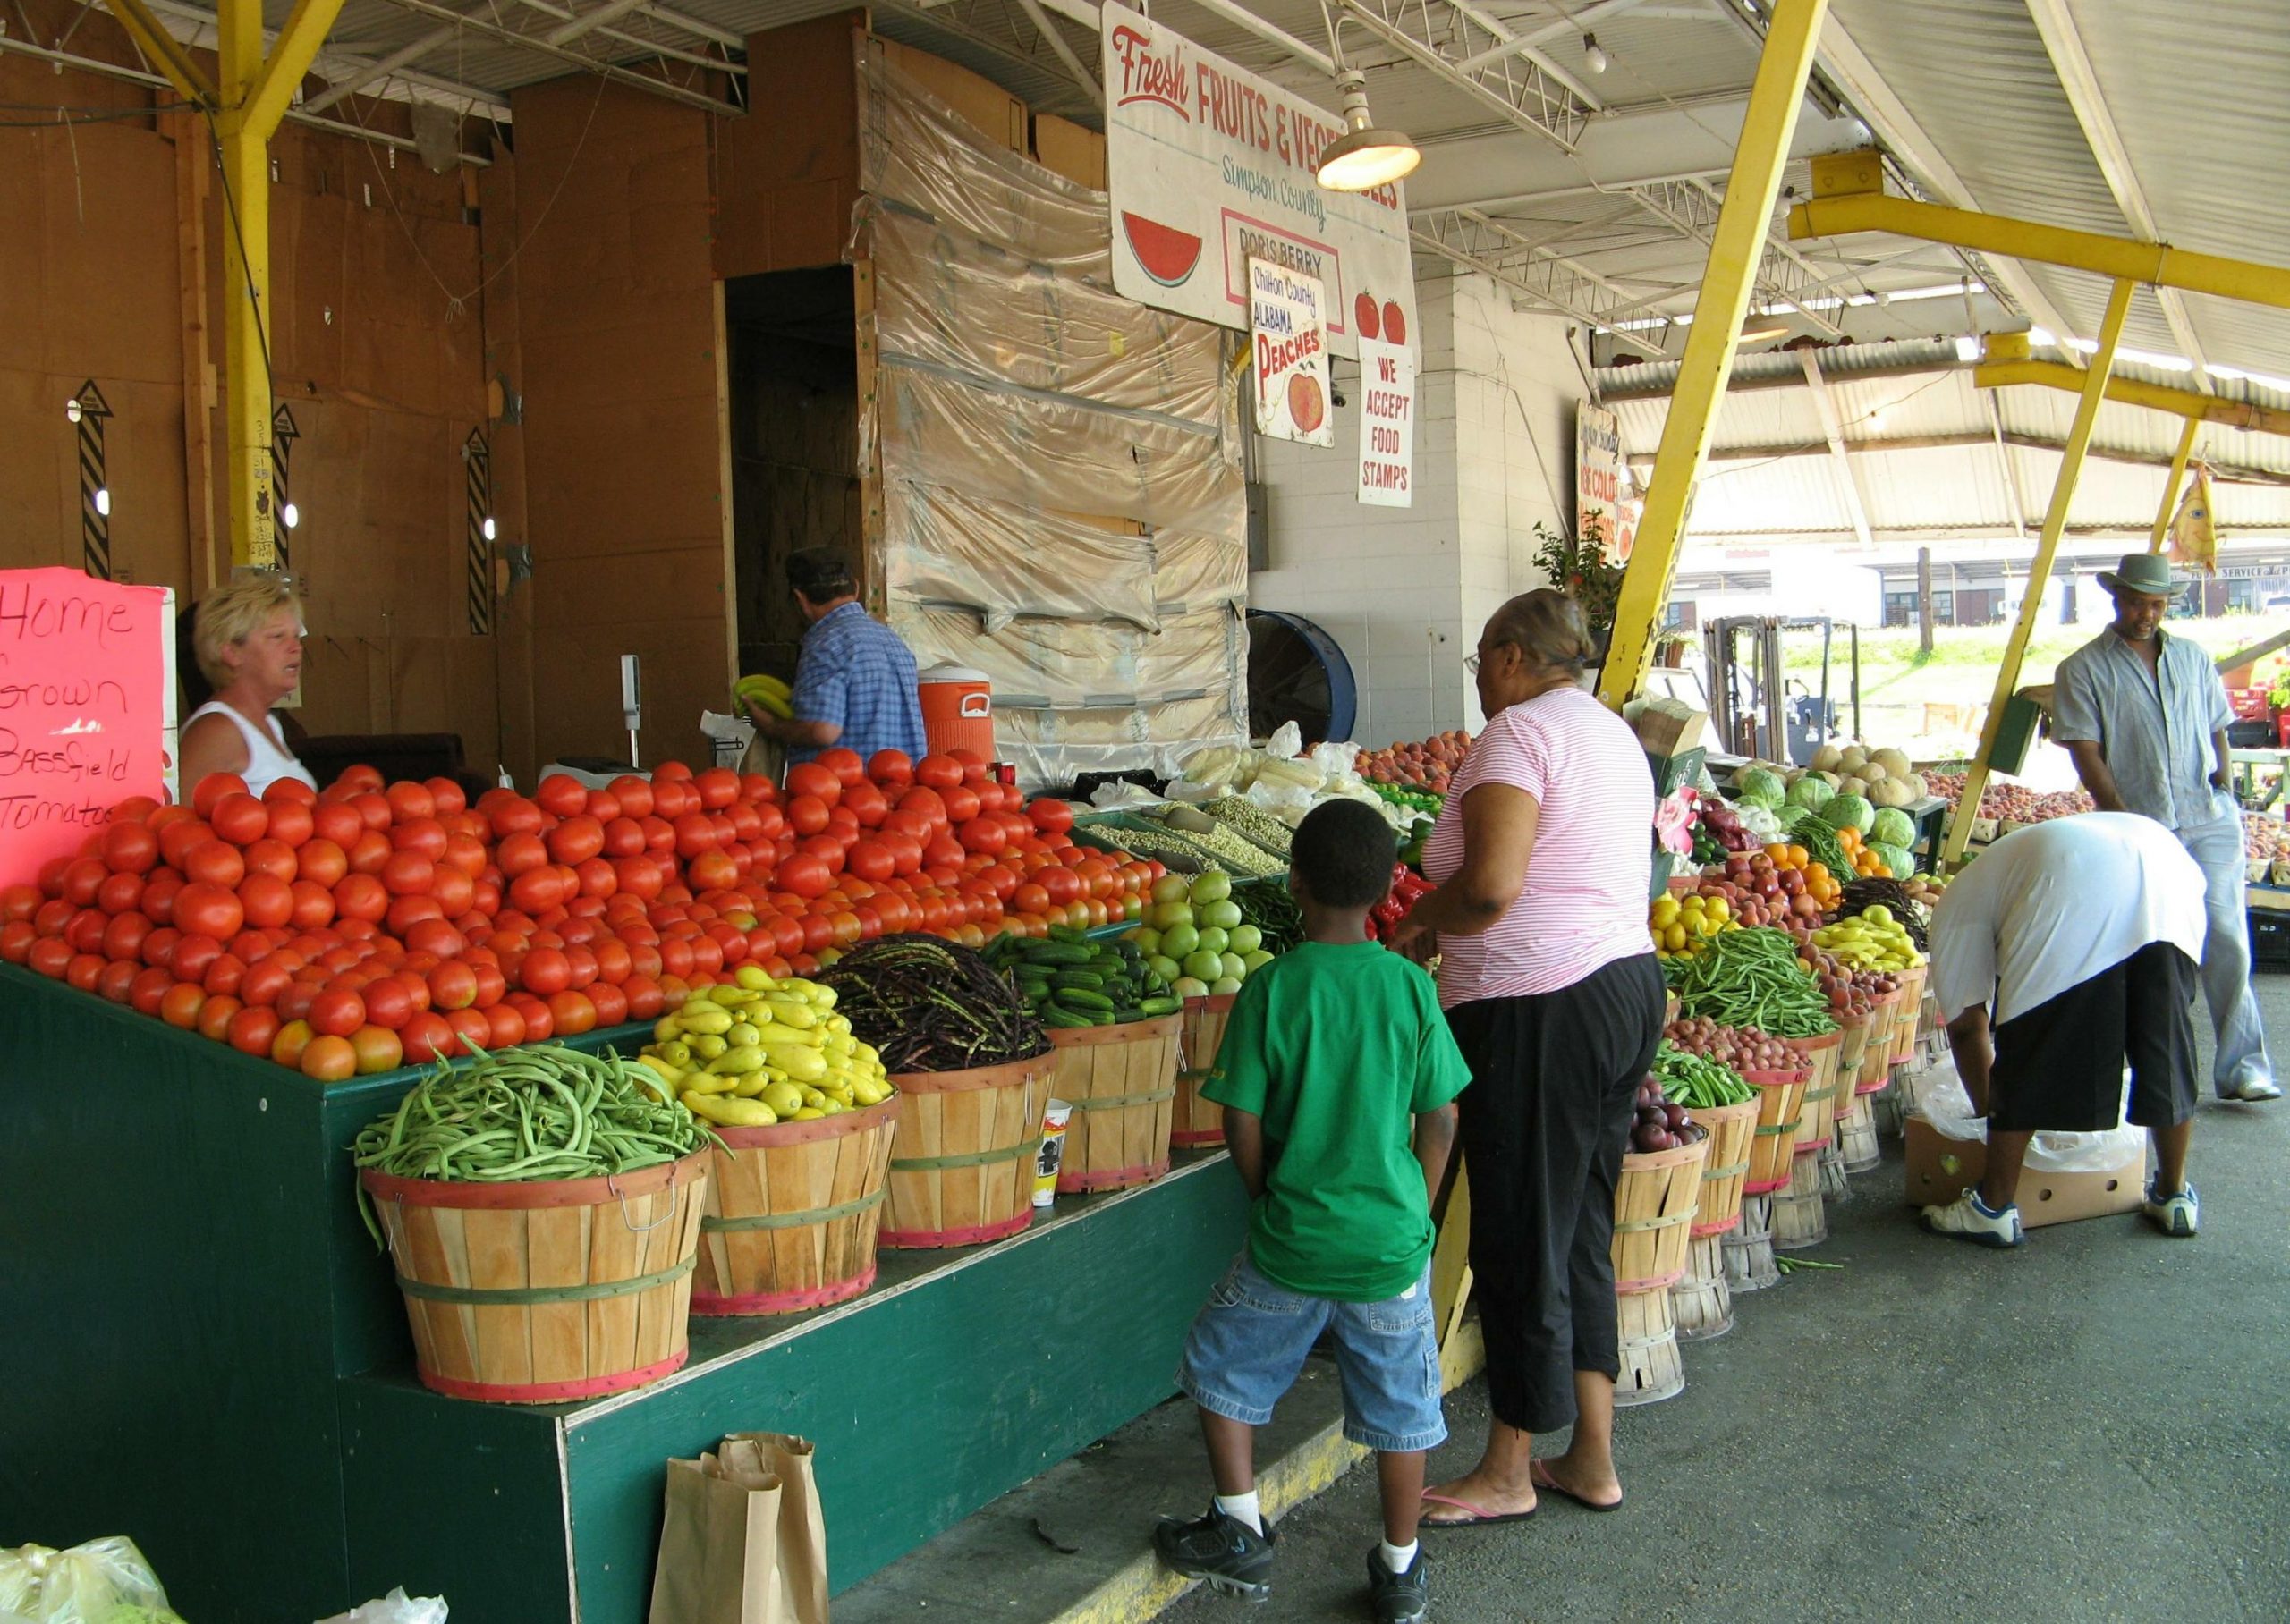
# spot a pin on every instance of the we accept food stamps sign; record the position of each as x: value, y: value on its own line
x: 1288, y: 354
x: 1210, y: 170
x: 87, y: 708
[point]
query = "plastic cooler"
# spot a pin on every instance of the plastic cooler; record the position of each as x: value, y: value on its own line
x: 957, y: 710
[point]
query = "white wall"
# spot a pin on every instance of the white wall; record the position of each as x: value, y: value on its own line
x: 1404, y: 591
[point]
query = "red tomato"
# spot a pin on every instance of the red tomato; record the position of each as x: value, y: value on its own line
x: 645, y: 998
x: 119, y: 894
x: 377, y: 1049
x: 205, y: 910
x: 213, y: 787
x: 610, y: 1003
x: 337, y: 1012
x: 471, y: 1026
x: 122, y: 940
x: 546, y: 971
x: 539, y: 1023
x: 962, y: 804
x: 240, y: 818
x: 634, y: 795
x: 328, y: 1058
x: 181, y: 1004
x: 1051, y: 817
x: 890, y: 767
x: 572, y: 1013
x: 465, y: 853
x: 371, y: 852
x: 426, y: 1037
x: 130, y: 848
x: 719, y: 788
x: 623, y: 837
x: 356, y: 780
x: 359, y: 896
x: 410, y: 800
x: 274, y: 857
x: 389, y: 1003
x: 576, y: 840
x: 292, y: 822
x: 424, y: 835
x: 938, y: 772
x: 806, y: 876
x: 602, y: 805
x: 537, y: 891
x: 815, y: 781
x: 562, y: 795
x: 322, y: 862
x: 408, y: 874
x: 520, y: 854
x: 514, y: 814
x: 265, y: 900
x: 846, y: 763
x: 336, y: 821
x: 873, y: 860
x: 453, y: 985
x: 505, y: 1026
x: 695, y: 832
x: 214, y: 862
x: 252, y: 1031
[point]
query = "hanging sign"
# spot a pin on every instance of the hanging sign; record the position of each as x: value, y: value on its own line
x: 87, y: 708
x: 1387, y: 423
x: 1209, y: 167
x: 1288, y: 354
x: 1605, y: 504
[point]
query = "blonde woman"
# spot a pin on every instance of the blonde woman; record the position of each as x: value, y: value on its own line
x: 249, y: 638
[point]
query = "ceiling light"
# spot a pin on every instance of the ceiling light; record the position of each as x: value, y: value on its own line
x: 1365, y: 158
x: 1757, y: 329
x: 1967, y: 347
x: 1594, y: 55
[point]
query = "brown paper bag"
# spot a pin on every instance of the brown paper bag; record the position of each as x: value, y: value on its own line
x: 743, y: 1540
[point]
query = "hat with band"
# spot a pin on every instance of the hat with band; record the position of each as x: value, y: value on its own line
x: 2149, y: 572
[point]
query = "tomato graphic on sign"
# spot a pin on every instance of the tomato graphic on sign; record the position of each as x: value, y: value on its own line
x: 1364, y: 316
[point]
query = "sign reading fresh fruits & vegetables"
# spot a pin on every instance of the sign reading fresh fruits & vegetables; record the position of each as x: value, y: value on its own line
x: 1209, y: 167
x: 1288, y: 354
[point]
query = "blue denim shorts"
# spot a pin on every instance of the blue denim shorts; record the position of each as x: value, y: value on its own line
x: 1251, y: 1338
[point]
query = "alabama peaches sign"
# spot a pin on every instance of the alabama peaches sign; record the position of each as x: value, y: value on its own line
x: 1288, y: 354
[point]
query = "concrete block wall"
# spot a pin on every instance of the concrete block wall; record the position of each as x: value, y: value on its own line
x: 1404, y: 591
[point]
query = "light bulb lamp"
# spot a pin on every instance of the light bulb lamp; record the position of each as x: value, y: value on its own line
x: 1594, y: 55
x: 1365, y: 158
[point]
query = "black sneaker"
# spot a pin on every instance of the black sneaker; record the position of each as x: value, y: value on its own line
x: 1398, y: 1598
x: 1223, y: 1550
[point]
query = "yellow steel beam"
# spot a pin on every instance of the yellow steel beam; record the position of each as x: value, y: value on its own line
x: 1844, y: 203
x: 165, y: 51
x: 290, y: 54
x: 2129, y: 392
x: 245, y: 168
x: 1778, y: 91
x: 2171, y: 486
x: 2054, y: 525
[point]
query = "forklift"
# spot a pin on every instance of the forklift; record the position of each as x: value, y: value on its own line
x: 1756, y: 711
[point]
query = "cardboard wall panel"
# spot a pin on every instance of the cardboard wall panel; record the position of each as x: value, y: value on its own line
x: 786, y: 176
x: 1067, y: 149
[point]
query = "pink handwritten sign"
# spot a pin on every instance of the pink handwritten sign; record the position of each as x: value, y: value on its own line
x: 85, y: 709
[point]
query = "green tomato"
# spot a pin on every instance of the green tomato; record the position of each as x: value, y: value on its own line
x: 1147, y: 939
x: 1204, y: 965
x: 1165, y: 967
x: 1254, y: 962
x: 1166, y: 917
x: 1179, y: 940
x: 1244, y: 939
x: 1212, y: 887
x: 1223, y: 986
x: 1189, y: 987
x: 1171, y: 888
x: 1226, y: 915
x: 1236, y: 966
x: 1213, y: 940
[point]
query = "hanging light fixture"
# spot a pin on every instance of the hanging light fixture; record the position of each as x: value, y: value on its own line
x: 1594, y: 55
x: 1365, y: 158
x: 1757, y: 327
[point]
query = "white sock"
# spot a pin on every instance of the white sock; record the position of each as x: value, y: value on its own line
x: 1397, y: 1558
x: 1242, y: 1508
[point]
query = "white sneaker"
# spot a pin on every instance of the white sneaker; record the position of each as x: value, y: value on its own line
x: 1967, y: 1218
x: 2179, y: 1215
x: 2256, y: 1091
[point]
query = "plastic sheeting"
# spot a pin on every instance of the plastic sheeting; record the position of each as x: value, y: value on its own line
x: 1025, y: 420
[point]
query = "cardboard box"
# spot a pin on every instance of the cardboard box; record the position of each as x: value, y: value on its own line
x: 1666, y: 727
x: 1940, y: 1168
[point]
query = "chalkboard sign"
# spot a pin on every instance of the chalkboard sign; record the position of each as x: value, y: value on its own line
x: 87, y: 708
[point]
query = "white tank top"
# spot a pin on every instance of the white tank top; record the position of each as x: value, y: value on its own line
x: 267, y: 761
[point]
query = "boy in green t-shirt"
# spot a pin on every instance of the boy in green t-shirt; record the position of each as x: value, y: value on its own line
x: 1337, y: 1076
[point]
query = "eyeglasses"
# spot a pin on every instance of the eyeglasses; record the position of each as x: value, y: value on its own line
x: 1471, y: 663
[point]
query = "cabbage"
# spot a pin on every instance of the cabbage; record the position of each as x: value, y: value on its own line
x: 1757, y: 787
x: 1763, y: 823
x: 1893, y: 827
x: 1895, y: 858
x: 1849, y: 811
x: 1811, y: 793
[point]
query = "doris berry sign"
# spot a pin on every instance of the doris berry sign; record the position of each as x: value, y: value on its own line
x: 1210, y: 167
x: 1288, y: 354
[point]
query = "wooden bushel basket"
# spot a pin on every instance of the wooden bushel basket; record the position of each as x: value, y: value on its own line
x: 1912, y: 1012
x: 1857, y: 1037
x: 1856, y: 1135
x: 1195, y: 1123
x: 1121, y: 1082
x: 962, y: 1168
x: 792, y: 1211
x: 1654, y: 1202
x: 1884, y: 1026
x: 1700, y: 1305
x: 1733, y: 1131
x: 546, y: 1292
x: 1651, y: 1369
x: 1781, y: 1102
x: 1800, y: 1212
x: 1817, y: 1124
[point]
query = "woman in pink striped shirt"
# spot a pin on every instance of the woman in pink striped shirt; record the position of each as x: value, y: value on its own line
x: 1543, y: 860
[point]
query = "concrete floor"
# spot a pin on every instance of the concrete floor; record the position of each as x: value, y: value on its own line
x: 2095, y: 1427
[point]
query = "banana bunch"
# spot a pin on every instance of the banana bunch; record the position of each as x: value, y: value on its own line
x: 768, y: 693
x: 754, y: 1051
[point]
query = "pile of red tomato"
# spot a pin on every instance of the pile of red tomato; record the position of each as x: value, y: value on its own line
x: 353, y: 930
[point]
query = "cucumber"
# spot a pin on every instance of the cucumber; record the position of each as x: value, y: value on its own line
x: 1083, y: 1000
x: 1060, y: 952
x: 1162, y: 1006
x: 1066, y: 1018
x: 1067, y: 933
x: 1087, y: 981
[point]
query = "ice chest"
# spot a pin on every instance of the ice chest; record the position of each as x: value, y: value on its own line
x: 1940, y: 1168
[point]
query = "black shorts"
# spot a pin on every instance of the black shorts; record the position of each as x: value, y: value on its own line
x: 2059, y: 1066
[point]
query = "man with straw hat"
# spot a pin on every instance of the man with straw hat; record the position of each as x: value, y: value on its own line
x: 2145, y: 717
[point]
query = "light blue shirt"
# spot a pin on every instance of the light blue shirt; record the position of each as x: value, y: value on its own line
x: 2153, y: 729
x: 855, y: 672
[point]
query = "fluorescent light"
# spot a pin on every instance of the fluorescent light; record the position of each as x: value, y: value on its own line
x: 1365, y: 158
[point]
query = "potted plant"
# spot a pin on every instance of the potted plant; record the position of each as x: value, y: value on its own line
x: 1580, y: 569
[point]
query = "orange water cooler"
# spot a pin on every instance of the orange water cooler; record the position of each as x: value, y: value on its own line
x: 957, y: 710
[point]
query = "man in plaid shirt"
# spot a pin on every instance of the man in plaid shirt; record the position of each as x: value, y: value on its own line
x: 855, y: 681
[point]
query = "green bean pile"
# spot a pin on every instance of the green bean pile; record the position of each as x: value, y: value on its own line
x: 540, y: 1112
x: 1750, y: 977
x: 1811, y: 830
x: 1697, y: 1083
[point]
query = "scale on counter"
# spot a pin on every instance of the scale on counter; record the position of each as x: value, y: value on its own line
x: 597, y: 771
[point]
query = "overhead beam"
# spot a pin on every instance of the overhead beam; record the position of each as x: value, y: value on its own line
x: 1692, y: 208
x: 1516, y: 89
x: 161, y: 47
x: 2223, y: 473
x: 1849, y: 197
x: 1848, y: 476
x: 285, y: 60
x: 2064, y: 45
x: 196, y: 28
x: 647, y: 82
x: 1581, y: 22
x: 1059, y: 45
x: 2132, y: 392
x: 590, y: 21
x: 1470, y: 241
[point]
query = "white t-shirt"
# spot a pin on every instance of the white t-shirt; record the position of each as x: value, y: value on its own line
x: 2050, y: 907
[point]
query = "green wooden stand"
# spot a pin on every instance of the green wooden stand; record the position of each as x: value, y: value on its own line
x: 206, y: 1353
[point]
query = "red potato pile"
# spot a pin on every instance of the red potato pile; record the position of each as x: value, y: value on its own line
x: 2010, y: 800
x: 372, y: 925
x: 1744, y: 1048
x: 1427, y: 765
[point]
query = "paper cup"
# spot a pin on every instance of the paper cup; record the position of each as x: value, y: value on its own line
x: 1053, y: 1152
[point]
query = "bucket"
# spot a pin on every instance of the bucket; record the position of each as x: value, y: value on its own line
x: 1800, y: 1213
x: 1651, y: 1369
x: 1700, y: 1304
x: 792, y: 1214
x: 1781, y: 1102
x: 957, y: 710
x: 962, y: 1168
x: 1195, y: 1123
x: 1817, y: 1124
x: 1654, y: 1202
x: 1748, y: 1249
x: 1733, y: 1131
x: 545, y: 1292
x: 1121, y: 1082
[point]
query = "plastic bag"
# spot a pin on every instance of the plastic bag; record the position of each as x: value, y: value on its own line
x: 1288, y: 802
x: 1941, y: 1100
x: 1116, y: 794
x: 395, y: 1608
x: 1288, y: 739
x: 105, y: 1581
x: 1334, y: 761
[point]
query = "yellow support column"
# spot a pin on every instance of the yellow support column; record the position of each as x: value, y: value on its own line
x: 2171, y: 486
x: 1775, y: 97
x: 2054, y: 525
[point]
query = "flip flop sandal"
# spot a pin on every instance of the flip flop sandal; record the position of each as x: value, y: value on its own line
x: 1480, y: 1517
x: 1542, y: 1479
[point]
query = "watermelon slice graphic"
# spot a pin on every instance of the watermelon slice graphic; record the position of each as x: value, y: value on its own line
x: 1165, y: 253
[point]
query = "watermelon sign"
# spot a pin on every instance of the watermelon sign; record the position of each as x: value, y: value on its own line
x: 1288, y: 354
x: 1211, y: 169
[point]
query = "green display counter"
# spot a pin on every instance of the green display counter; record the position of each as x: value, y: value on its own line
x: 203, y: 1350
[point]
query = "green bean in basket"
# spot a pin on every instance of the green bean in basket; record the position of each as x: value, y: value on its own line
x: 1072, y: 981
x: 528, y: 1113
x: 1751, y: 978
x: 1697, y: 1082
